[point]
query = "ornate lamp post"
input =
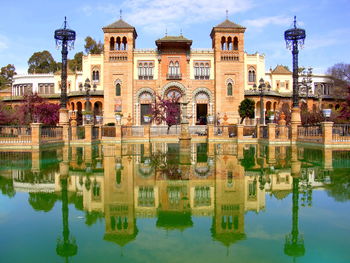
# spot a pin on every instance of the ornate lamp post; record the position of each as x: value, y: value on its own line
x: 262, y: 89
x: 64, y: 38
x: 306, y: 87
x: 87, y: 88
x: 294, y: 38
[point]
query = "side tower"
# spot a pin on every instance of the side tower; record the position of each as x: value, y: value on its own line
x: 119, y: 44
x: 228, y: 44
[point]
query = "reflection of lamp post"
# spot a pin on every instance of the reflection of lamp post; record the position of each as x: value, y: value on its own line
x: 67, y: 247
x: 64, y: 37
x: 87, y: 88
x: 294, y: 244
x: 294, y: 38
x: 262, y: 89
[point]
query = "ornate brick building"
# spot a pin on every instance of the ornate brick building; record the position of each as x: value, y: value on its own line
x: 210, y: 81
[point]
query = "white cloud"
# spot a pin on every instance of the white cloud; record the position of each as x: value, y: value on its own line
x: 156, y: 15
x: 332, y: 38
x: 266, y: 21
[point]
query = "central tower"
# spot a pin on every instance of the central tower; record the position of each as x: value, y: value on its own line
x: 228, y: 44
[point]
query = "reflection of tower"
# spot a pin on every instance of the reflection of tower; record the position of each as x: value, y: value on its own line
x: 294, y: 245
x: 119, y: 198
x: 67, y: 247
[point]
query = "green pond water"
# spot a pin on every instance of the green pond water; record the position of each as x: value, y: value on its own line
x: 175, y: 203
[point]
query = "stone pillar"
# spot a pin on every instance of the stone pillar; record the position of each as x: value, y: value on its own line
x: 271, y: 156
x: 240, y: 131
x: 294, y: 124
x: 88, y: 132
x: 100, y: 132
x: 74, y: 130
x: 240, y: 151
x: 210, y: 131
x: 118, y: 132
x: 88, y: 154
x: 271, y: 131
x: 36, y: 156
x: 283, y: 131
x: 147, y: 149
x: 65, y: 134
x: 257, y: 130
x: 295, y: 163
x: 63, y: 116
x: 147, y: 131
x: 327, y: 132
x: 36, y: 134
x: 225, y: 132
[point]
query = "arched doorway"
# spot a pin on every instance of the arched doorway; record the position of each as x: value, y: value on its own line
x: 97, y: 111
x: 202, y: 100
x: 145, y: 100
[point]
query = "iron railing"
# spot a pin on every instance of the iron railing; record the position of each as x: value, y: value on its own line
x: 309, y: 131
x: 200, y: 130
x: 137, y: 131
x: 80, y: 132
x: 263, y: 132
x: 108, y: 131
x: 341, y: 132
x: 163, y: 130
x: 51, y: 133
x: 95, y: 132
x: 249, y: 131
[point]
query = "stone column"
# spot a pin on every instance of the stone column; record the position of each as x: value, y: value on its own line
x: 147, y: 131
x: 327, y: 132
x: 88, y: 133
x: 271, y: 157
x: 100, y: 132
x: 257, y: 130
x: 271, y: 131
x: 210, y: 131
x: 240, y: 128
x: 295, y: 122
x: 65, y: 134
x: 74, y: 130
x: 328, y: 158
x: 36, y: 134
x: 118, y: 132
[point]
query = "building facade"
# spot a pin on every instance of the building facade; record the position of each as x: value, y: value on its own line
x: 208, y: 81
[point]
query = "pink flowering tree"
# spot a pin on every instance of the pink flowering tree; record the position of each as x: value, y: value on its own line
x: 35, y: 109
x: 166, y: 110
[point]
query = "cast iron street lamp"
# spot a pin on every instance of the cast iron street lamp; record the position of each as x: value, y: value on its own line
x: 87, y: 88
x: 305, y: 87
x: 262, y: 89
x: 64, y: 38
x: 294, y: 38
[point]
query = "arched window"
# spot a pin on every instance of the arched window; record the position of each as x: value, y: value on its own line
x: 117, y: 89
x: 125, y: 43
x: 118, y: 43
x: 112, y: 44
x: 223, y: 43
x: 177, y: 68
x: 229, y: 83
x: 235, y: 43
x: 201, y: 71
x: 229, y: 43
x: 95, y: 75
x: 207, y: 71
x: 251, y: 75
x: 171, y: 68
x: 196, y: 71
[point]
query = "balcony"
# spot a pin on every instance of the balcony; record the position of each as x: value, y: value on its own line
x: 173, y: 76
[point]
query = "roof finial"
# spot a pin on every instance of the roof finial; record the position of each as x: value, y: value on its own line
x: 121, y: 13
x: 295, y: 21
x: 226, y: 14
x: 180, y: 31
x: 65, y: 22
x: 166, y: 32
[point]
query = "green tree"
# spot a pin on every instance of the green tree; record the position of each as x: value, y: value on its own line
x: 246, y: 109
x: 92, y: 47
x: 6, y: 75
x: 76, y: 64
x: 340, y: 73
x: 42, y: 62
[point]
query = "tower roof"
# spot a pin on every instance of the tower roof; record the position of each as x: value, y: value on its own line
x: 229, y: 24
x: 180, y: 41
x: 119, y: 24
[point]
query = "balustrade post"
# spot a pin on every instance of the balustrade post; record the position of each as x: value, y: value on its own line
x: 210, y: 131
x: 74, y: 130
x: 257, y: 127
x: 65, y: 133
x: 118, y: 132
x: 225, y: 132
x: 100, y: 132
x: 240, y: 128
x: 88, y: 132
x: 271, y: 131
x: 147, y: 131
x: 36, y: 134
x: 327, y: 132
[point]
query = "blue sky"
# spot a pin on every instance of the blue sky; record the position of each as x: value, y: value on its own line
x: 28, y: 26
